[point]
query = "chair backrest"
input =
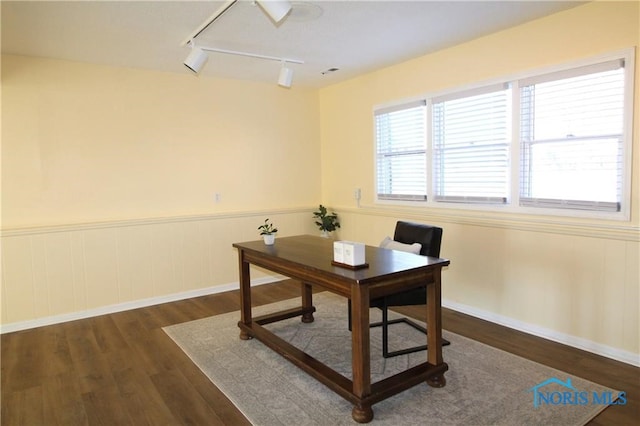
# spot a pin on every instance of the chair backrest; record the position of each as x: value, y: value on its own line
x: 429, y: 236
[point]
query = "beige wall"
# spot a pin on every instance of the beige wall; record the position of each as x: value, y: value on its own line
x: 347, y: 108
x: 85, y: 143
x: 109, y: 178
x: 143, y: 153
x: 576, y: 281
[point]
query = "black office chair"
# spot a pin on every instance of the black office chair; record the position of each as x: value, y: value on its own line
x: 430, y: 237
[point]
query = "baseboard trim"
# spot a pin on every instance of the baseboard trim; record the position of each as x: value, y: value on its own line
x: 126, y: 306
x: 565, y: 339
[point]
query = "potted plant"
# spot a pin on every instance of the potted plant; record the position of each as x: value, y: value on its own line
x: 268, y: 232
x: 327, y: 222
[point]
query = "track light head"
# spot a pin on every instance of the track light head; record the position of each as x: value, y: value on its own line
x: 196, y: 60
x: 286, y: 77
x: 276, y: 9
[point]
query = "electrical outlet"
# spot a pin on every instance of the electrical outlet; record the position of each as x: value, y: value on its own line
x: 357, y: 194
x: 218, y: 197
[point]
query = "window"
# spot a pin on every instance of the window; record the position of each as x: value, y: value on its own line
x: 550, y: 142
x: 571, y: 129
x: 470, y: 146
x: 401, y: 152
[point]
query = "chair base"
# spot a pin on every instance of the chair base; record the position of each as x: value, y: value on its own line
x: 385, y: 331
x: 385, y: 341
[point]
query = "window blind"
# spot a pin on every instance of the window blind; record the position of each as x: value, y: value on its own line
x: 401, y: 152
x: 471, y: 146
x: 571, y: 138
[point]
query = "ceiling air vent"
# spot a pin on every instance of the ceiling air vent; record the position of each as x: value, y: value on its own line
x: 329, y: 71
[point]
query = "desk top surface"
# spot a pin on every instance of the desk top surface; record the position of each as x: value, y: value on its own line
x: 314, y: 252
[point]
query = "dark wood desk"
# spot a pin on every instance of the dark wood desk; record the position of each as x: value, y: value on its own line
x: 308, y: 259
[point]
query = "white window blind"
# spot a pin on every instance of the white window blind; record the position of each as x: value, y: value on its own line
x: 401, y: 152
x: 471, y: 136
x: 571, y: 127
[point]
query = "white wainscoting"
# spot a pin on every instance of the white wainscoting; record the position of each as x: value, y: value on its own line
x: 579, y: 287
x: 53, y: 274
x: 574, y: 283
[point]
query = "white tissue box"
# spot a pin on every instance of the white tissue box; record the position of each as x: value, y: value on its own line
x: 348, y: 252
x: 338, y: 251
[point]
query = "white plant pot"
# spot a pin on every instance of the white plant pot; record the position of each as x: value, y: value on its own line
x: 269, y: 239
x: 325, y: 234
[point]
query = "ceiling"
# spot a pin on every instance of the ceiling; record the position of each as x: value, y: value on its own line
x: 354, y: 36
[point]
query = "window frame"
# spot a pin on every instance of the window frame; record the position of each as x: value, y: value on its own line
x: 513, y: 203
x: 528, y: 143
x: 439, y: 152
x: 404, y: 106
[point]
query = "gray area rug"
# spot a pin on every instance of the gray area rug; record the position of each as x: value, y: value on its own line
x: 485, y: 386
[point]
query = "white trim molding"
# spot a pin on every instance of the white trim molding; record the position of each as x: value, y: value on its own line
x: 126, y: 306
x: 505, y: 220
x: 74, y: 227
x: 555, y: 336
x: 573, y: 341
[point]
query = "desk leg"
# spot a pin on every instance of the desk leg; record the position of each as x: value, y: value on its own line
x: 434, y: 328
x: 245, y: 294
x: 360, y: 361
x: 307, y: 301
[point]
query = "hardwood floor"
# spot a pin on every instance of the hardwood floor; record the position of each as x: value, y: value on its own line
x: 122, y: 369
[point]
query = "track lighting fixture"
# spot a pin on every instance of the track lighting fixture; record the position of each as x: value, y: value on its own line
x: 196, y: 59
x: 286, y: 76
x: 276, y: 9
